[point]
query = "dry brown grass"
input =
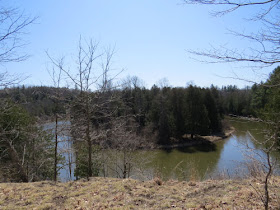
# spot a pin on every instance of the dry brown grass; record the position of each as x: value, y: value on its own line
x: 102, y: 193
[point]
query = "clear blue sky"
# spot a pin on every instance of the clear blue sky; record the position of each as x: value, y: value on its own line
x: 151, y: 38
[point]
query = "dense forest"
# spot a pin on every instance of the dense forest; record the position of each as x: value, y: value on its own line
x: 170, y: 112
x: 126, y: 118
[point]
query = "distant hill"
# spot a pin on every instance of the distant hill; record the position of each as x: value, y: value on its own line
x: 38, y: 100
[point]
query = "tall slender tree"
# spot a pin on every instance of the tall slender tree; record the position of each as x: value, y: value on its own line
x: 91, y: 108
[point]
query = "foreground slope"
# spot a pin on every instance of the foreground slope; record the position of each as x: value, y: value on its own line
x: 101, y: 193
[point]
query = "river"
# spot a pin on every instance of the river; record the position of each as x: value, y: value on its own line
x: 226, y: 158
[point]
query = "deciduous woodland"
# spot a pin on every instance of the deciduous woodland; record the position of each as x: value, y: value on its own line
x: 126, y: 118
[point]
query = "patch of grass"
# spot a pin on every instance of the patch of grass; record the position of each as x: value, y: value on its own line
x: 132, y: 194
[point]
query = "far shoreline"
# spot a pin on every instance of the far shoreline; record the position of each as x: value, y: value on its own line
x: 198, y: 140
x: 184, y: 142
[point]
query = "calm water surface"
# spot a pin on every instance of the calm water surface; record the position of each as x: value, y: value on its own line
x: 224, y: 158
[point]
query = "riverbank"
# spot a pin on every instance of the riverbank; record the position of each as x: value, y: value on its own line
x: 187, y: 141
x: 249, y: 118
x: 184, y: 141
x: 227, y: 133
x: 103, y: 193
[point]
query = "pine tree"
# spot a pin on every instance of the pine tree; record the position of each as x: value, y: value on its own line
x: 196, y: 116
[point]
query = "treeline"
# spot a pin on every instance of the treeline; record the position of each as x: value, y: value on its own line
x: 170, y: 112
x: 258, y: 100
x: 167, y: 111
x: 39, y: 101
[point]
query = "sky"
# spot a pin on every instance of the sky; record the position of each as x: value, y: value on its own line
x: 151, y: 39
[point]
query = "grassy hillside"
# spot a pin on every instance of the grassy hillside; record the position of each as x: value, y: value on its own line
x: 101, y: 193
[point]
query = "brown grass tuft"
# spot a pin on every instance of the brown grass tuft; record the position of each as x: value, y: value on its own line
x: 109, y: 193
x: 158, y: 181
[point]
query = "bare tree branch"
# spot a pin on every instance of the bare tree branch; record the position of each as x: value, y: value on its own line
x: 13, y: 24
x: 266, y: 50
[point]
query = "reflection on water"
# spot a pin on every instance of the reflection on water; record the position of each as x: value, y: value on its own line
x: 225, y: 157
x: 185, y: 162
x: 240, y: 148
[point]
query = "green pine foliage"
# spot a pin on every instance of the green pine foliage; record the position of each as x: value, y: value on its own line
x: 26, y: 150
x: 213, y: 112
x: 196, y: 115
x: 81, y: 170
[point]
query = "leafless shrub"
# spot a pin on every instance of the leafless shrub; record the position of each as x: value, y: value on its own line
x: 123, y: 148
x: 260, y: 163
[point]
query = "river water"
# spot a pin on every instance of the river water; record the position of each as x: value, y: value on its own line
x: 226, y: 158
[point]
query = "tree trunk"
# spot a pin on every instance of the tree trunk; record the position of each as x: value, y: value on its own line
x: 266, y: 197
x: 124, y: 165
x: 55, y: 150
x: 89, y: 159
x: 88, y: 139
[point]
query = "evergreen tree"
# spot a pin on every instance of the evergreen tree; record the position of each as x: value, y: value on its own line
x: 213, y: 115
x: 196, y: 116
x: 176, y: 101
x: 26, y: 151
x: 159, y: 115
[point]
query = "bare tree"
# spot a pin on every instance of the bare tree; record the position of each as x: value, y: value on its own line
x: 266, y: 51
x: 230, y: 6
x: 121, y: 147
x: 58, y: 98
x: 163, y: 83
x: 91, y: 109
